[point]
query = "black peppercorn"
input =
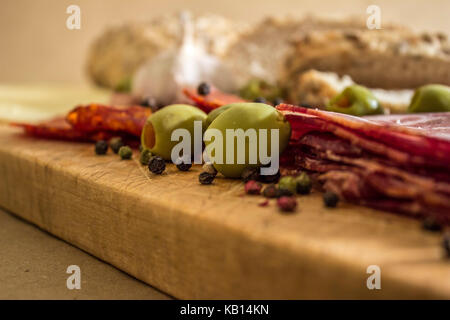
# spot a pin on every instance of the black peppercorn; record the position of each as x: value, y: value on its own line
x: 270, y: 178
x: 184, y: 166
x: 446, y: 244
x: 250, y: 173
x: 260, y: 100
x: 277, y: 101
x: 149, y: 103
x: 283, y: 192
x: 271, y: 191
x: 203, y: 89
x: 115, y: 144
x: 101, y: 147
x: 206, y: 178
x: 156, y: 165
x: 306, y: 105
x: 431, y: 224
x: 208, y: 167
x: 330, y: 199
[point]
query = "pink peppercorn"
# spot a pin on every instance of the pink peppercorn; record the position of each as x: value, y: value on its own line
x: 253, y: 187
x: 287, y: 204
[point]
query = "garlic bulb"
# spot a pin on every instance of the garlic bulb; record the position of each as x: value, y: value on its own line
x: 164, y: 76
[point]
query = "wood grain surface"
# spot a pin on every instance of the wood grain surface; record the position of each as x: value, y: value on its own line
x: 195, y: 241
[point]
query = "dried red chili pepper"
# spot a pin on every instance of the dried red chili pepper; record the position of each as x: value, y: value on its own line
x: 214, y: 99
x: 96, y: 117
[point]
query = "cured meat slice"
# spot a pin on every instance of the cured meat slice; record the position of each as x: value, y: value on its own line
x: 398, y: 163
x: 95, y: 117
x: 92, y: 123
x: 213, y: 100
x: 60, y: 129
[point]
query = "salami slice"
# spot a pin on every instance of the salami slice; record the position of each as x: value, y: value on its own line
x: 398, y: 163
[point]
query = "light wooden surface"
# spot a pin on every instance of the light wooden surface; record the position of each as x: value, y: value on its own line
x: 34, y: 264
x: 194, y: 241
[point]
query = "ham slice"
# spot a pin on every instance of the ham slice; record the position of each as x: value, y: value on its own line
x: 398, y: 163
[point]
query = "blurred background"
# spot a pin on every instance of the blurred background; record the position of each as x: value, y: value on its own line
x: 36, y: 46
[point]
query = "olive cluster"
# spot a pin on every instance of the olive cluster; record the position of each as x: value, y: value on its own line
x: 360, y: 101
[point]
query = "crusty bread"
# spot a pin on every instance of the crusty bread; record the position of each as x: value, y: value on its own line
x: 260, y: 52
x: 120, y: 50
x: 389, y: 59
x: 316, y: 88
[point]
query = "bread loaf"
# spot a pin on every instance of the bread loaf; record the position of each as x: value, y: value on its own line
x: 388, y: 59
x: 120, y: 50
x: 260, y: 52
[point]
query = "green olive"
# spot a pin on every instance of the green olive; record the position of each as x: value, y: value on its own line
x: 256, y: 88
x: 216, y: 112
x: 247, y: 116
x: 157, y: 132
x: 431, y: 98
x: 355, y: 100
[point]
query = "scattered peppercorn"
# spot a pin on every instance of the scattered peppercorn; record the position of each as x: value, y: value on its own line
x: 184, y: 166
x: 283, y: 192
x: 125, y: 153
x: 206, y: 178
x: 271, y: 191
x: 270, y: 178
x: 208, y: 167
x: 287, y: 204
x: 260, y: 100
x: 288, y: 183
x: 203, y: 89
x: 431, y: 224
x: 304, y: 183
x: 330, y: 199
x: 446, y: 244
x: 101, y: 147
x: 306, y: 105
x: 264, y: 203
x: 145, y: 156
x: 250, y: 173
x: 116, y: 143
x: 277, y: 101
x: 156, y: 165
x: 149, y: 103
x: 253, y: 187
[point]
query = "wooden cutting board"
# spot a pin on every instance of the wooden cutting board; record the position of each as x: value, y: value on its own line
x: 195, y: 241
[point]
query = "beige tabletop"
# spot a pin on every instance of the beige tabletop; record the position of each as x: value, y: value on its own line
x: 34, y: 265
